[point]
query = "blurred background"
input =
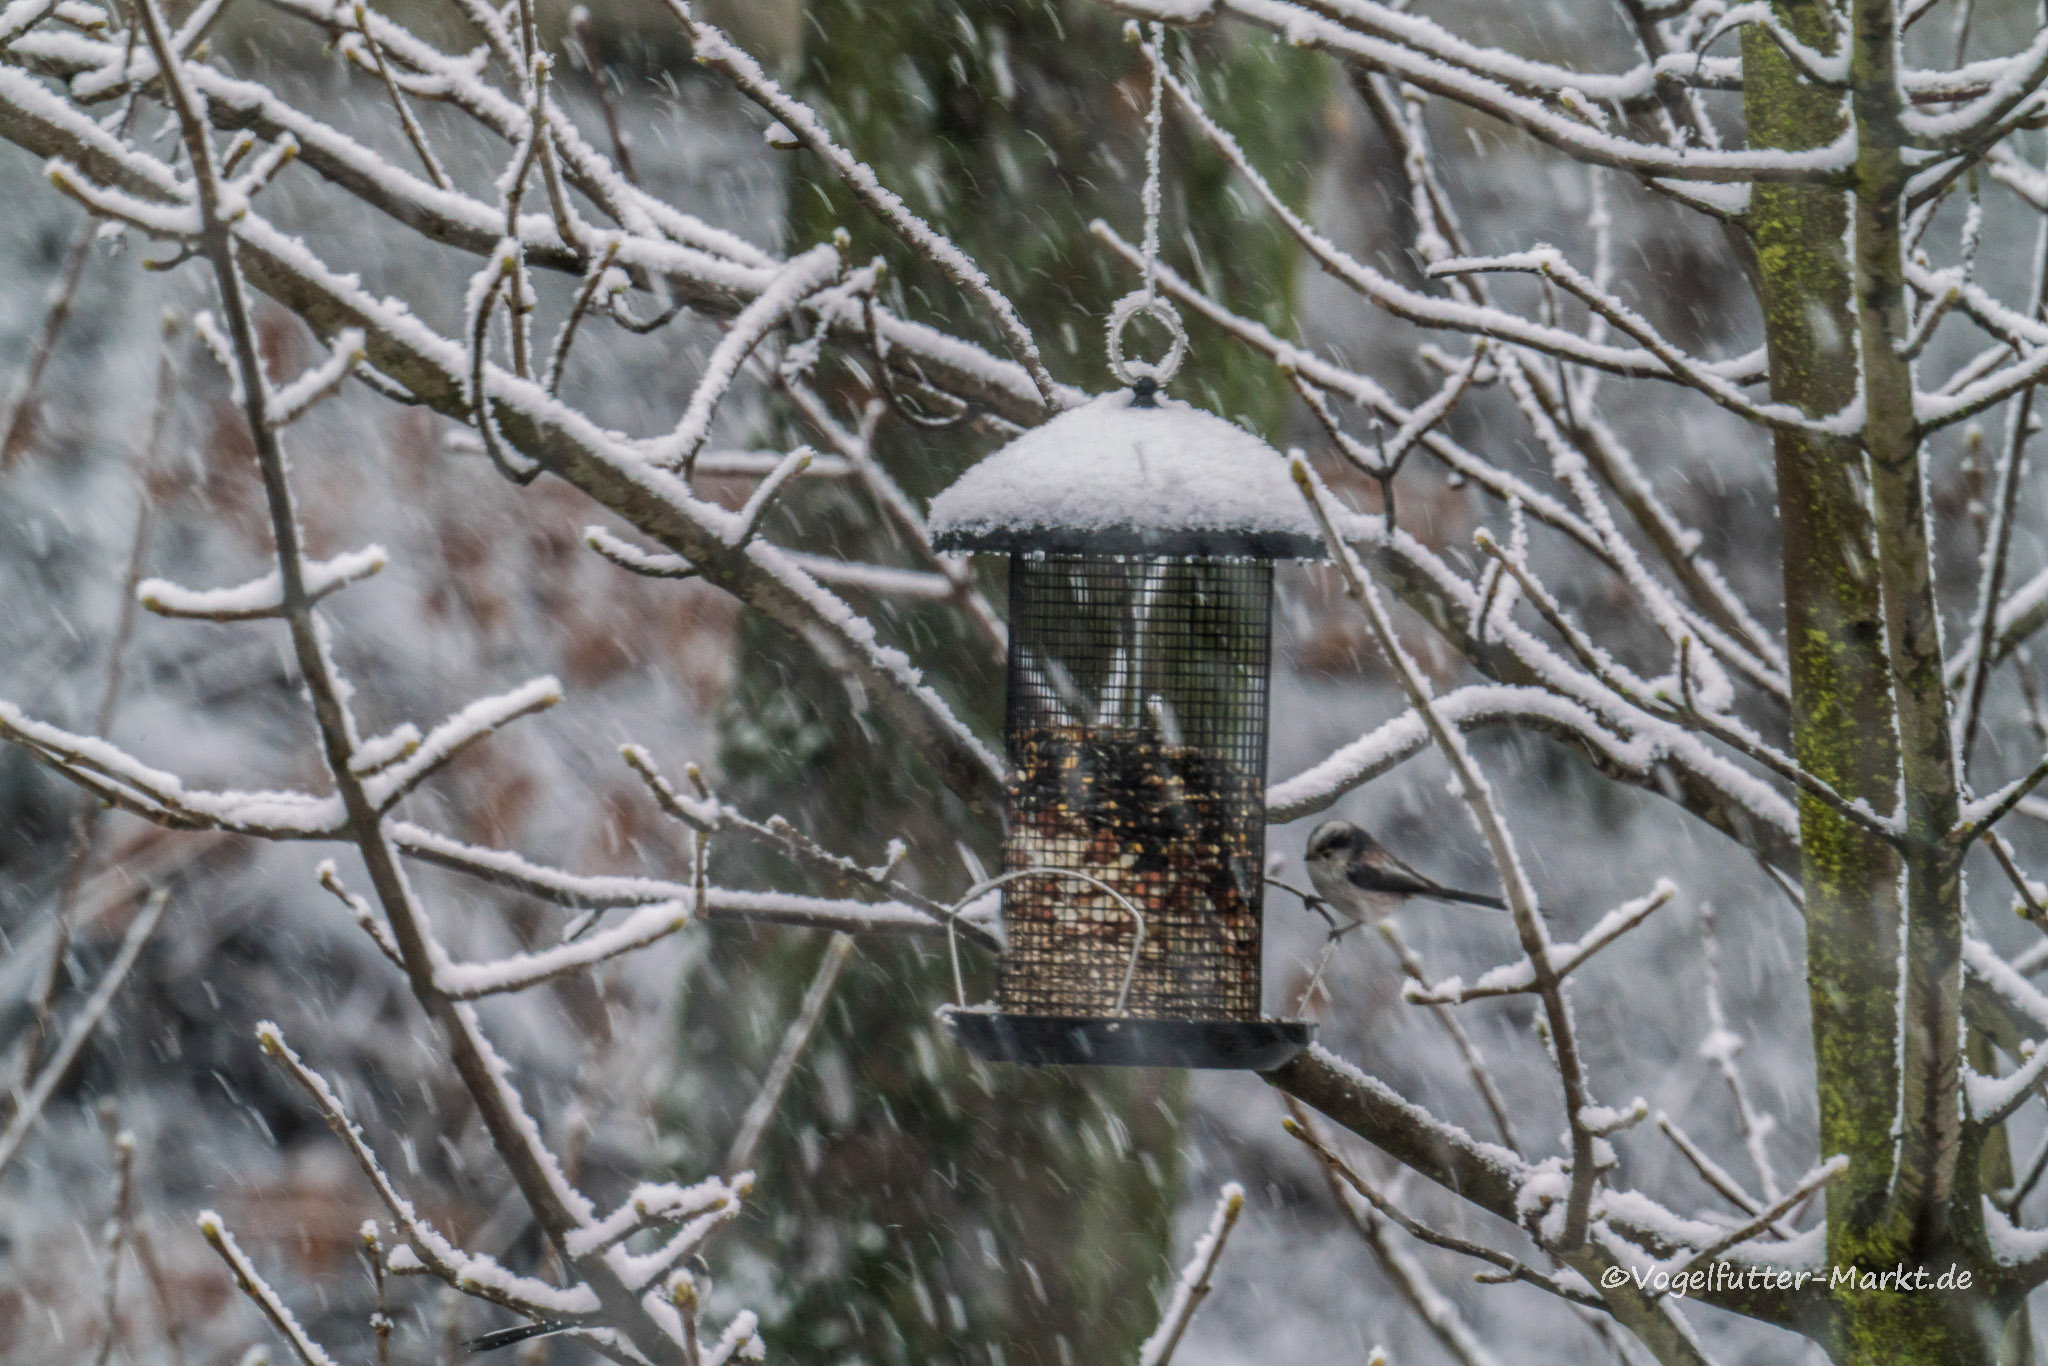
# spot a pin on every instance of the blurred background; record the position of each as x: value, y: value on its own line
x: 913, y: 1206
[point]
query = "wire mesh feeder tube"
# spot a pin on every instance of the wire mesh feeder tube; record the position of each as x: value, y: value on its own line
x: 1136, y: 729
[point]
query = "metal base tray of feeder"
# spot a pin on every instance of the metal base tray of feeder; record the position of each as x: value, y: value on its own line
x: 1038, y: 1040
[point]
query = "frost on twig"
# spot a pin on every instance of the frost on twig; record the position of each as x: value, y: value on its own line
x: 1195, y: 1280
x: 1570, y: 1287
x: 1512, y: 978
x: 1438, y: 1313
x: 309, y: 1352
x: 298, y: 398
x: 706, y: 815
x: 715, y: 50
x: 1475, y: 1064
x: 426, y: 1248
x: 260, y: 597
x: 1529, y: 925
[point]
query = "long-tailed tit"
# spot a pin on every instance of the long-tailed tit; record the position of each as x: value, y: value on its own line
x: 1363, y: 883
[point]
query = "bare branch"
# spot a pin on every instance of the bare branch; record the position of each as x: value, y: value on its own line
x: 28, y: 1108
x: 1475, y: 1064
x: 716, y: 51
x: 413, y: 132
x: 430, y: 1251
x: 22, y: 405
x: 1513, y: 1267
x: 1715, y: 1175
x: 1979, y: 816
x: 262, y: 597
x: 1520, y: 896
x: 1720, y: 1047
x: 522, y: 971
x: 1813, y: 1181
x: 120, y: 1225
x: 1725, y: 729
x: 599, y: 278
x: 1194, y: 1284
x: 707, y: 815
x: 771, y: 308
x: 754, y: 1124
x: 257, y: 1289
x: 763, y: 498
x: 1520, y: 977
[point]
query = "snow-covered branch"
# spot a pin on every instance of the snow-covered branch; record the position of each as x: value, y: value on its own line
x: 1521, y: 896
x: 1194, y: 1282
x: 1513, y: 978
x: 263, y: 596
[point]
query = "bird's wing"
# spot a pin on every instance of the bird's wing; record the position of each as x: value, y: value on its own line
x: 1400, y: 880
x: 1395, y: 859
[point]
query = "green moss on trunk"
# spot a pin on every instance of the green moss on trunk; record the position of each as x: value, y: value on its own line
x: 1868, y: 708
x: 1841, y: 694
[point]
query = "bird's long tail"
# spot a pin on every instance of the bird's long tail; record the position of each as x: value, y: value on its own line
x: 506, y: 1337
x: 1491, y: 903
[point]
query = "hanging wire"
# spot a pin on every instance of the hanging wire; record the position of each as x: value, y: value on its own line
x: 1155, y: 118
x: 1147, y: 300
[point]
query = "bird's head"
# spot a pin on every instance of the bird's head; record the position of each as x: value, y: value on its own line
x: 1335, y: 844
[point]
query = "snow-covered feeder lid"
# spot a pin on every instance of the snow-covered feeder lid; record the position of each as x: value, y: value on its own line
x: 1120, y: 476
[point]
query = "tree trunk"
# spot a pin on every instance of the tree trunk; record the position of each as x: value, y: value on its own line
x: 1868, y: 704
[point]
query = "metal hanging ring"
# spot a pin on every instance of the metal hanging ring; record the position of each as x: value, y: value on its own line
x: 983, y: 888
x: 1129, y: 372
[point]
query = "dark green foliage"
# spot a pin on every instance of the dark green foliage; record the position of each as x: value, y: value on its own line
x: 919, y: 1207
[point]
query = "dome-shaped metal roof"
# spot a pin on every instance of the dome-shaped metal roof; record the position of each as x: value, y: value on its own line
x: 1123, y: 476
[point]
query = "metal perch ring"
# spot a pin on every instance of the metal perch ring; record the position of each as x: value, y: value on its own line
x: 1151, y: 305
x: 980, y: 888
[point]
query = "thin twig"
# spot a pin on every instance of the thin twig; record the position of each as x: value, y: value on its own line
x: 2029, y: 901
x: 24, y: 403
x: 119, y: 1224
x: 1756, y: 1127
x: 2035, y: 1167
x: 857, y: 448
x: 380, y: 1318
x: 1431, y: 1305
x: 1723, y: 729
x: 309, y: 1352
x: 1714, y: 1174
x: 1521, y: 899
x: 169, y: 1307
x: 85, y: 818
x: 754, y: 1124
x: 1998, y: 541
x: 719, y: 53
x: 1475, y: 1064
x: 414, y: 134
x: 622, y: 150
x: 593, y: 280
x: 1513, y: 1268
x: 30, y: 1106
x: 707, y: 815
x: 1194, y: 1284
x: 1813, y: 1181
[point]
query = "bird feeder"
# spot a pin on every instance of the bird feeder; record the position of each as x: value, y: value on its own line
x: 1141, y: 534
